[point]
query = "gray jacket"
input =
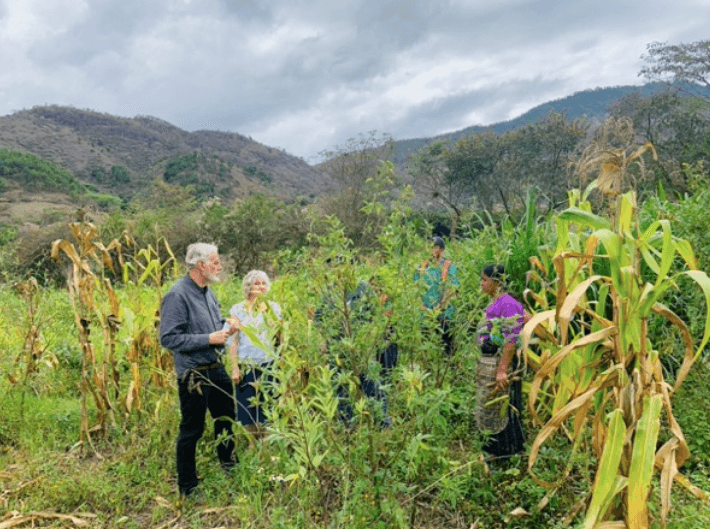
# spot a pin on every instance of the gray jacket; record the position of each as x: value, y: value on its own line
x: 189, y: 314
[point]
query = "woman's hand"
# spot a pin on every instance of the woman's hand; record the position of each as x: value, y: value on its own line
x: 502, y: 380
x: 234, y: 325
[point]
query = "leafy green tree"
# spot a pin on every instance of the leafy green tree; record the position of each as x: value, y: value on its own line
x: 538, y: 155
x: 351, y: 165
x: 119, y: 175
x: 363, y: 172
x: 99, y: 173
x: 36, y: 173
x: 252, y: 227
x: 180, y: 169
x: 472, y: 164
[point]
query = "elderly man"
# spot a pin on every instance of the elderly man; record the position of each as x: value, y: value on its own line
x: 191, y: 326
x: 439, y: 276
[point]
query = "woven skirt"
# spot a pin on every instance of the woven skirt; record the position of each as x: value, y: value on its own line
x: 498, y: 416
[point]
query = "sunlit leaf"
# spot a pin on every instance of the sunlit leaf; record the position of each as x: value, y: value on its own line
x: 641, y: 465
x: 606, y: 482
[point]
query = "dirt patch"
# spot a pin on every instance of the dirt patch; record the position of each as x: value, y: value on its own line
x: 32, y: 210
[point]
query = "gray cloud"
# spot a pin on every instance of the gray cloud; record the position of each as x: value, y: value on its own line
x: 307, y: 75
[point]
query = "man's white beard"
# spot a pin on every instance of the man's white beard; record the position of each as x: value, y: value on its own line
x: 212, y: 278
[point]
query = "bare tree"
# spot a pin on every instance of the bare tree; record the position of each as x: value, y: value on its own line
x: 430, y: 174
x: 363, y: 171
x: 685, y: 63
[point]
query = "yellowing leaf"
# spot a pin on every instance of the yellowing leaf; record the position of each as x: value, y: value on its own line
x: 607, y: 482
x: 642, y: 459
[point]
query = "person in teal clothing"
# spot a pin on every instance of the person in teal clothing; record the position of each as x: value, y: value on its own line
x: 439, y: 275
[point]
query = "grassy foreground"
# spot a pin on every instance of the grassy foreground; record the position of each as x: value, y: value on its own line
x: 425, y: 471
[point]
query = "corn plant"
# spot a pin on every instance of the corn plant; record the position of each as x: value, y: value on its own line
x: 597, y: 371
x: 143, y: 319
x: 98, y: 378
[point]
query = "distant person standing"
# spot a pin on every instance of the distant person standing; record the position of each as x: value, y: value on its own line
x: 191, y: 326
x: 439, y: 276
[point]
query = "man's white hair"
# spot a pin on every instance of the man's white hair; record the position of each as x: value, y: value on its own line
x: 251, y: 278
x: 199, y: 251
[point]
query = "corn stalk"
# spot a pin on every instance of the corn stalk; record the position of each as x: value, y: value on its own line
x: 143, y: 324
x: 97, y: 377
x: 598, y: 375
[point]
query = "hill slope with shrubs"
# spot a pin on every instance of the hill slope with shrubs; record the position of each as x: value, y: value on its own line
x: 123, y: 155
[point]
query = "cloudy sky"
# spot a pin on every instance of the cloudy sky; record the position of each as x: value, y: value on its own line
x: 307, y: 75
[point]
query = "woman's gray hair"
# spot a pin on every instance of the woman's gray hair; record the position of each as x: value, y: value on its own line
x: 199, y: 251
x: 251, y: 278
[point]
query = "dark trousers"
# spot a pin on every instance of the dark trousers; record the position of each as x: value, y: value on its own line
x: 388, y: 358
x: 372, y: 389
x: 199, y: 391
x: 447, y: 335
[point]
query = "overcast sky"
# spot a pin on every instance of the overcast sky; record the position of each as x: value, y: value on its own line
x: 307, y: 75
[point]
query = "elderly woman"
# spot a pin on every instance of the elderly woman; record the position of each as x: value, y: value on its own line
x: 503, y: 322
x: 251, y: 361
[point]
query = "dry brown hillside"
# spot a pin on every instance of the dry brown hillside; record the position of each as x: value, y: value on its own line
x: 89, y: 144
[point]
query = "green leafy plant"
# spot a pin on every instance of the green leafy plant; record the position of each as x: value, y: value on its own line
x: 596, y: 366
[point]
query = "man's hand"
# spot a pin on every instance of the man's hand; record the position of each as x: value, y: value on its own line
x: 219, y: 337
x: 236, y: 374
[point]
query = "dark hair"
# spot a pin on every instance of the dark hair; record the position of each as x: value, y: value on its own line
x: 495, y: 272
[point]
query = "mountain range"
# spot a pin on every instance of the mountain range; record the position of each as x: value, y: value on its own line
x: 122, y: 156
x: 592, y: 105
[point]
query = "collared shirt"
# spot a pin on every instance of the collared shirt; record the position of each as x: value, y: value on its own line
x: 188, y: 315
x: 432, y: 278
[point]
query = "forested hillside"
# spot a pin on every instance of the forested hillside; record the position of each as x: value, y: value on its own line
x: 123, y: 155
x: 592, y: 106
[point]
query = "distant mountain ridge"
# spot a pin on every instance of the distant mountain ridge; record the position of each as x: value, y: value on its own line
x: 592, y: 104
x: 122, y: 156
x: 90, y: 144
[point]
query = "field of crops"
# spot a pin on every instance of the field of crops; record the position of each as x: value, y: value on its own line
x: 615, y: 381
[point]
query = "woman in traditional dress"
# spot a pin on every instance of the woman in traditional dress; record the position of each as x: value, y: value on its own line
x: 504, y: 318
x: 252, y: 361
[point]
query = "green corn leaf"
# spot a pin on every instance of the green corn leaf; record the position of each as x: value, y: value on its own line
x: 668, y: 252
x: 685, y: 250
x: 607, y: 483
x: 703, y: 281
x: 585, y: 218
x: 650, y: 260
x: 641, y: 468
x: 628, y: 205
x: 612, y: 245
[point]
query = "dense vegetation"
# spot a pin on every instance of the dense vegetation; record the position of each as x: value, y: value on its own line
x: 89, y: 438
x: 36, y: 174
x: 616, y: 363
